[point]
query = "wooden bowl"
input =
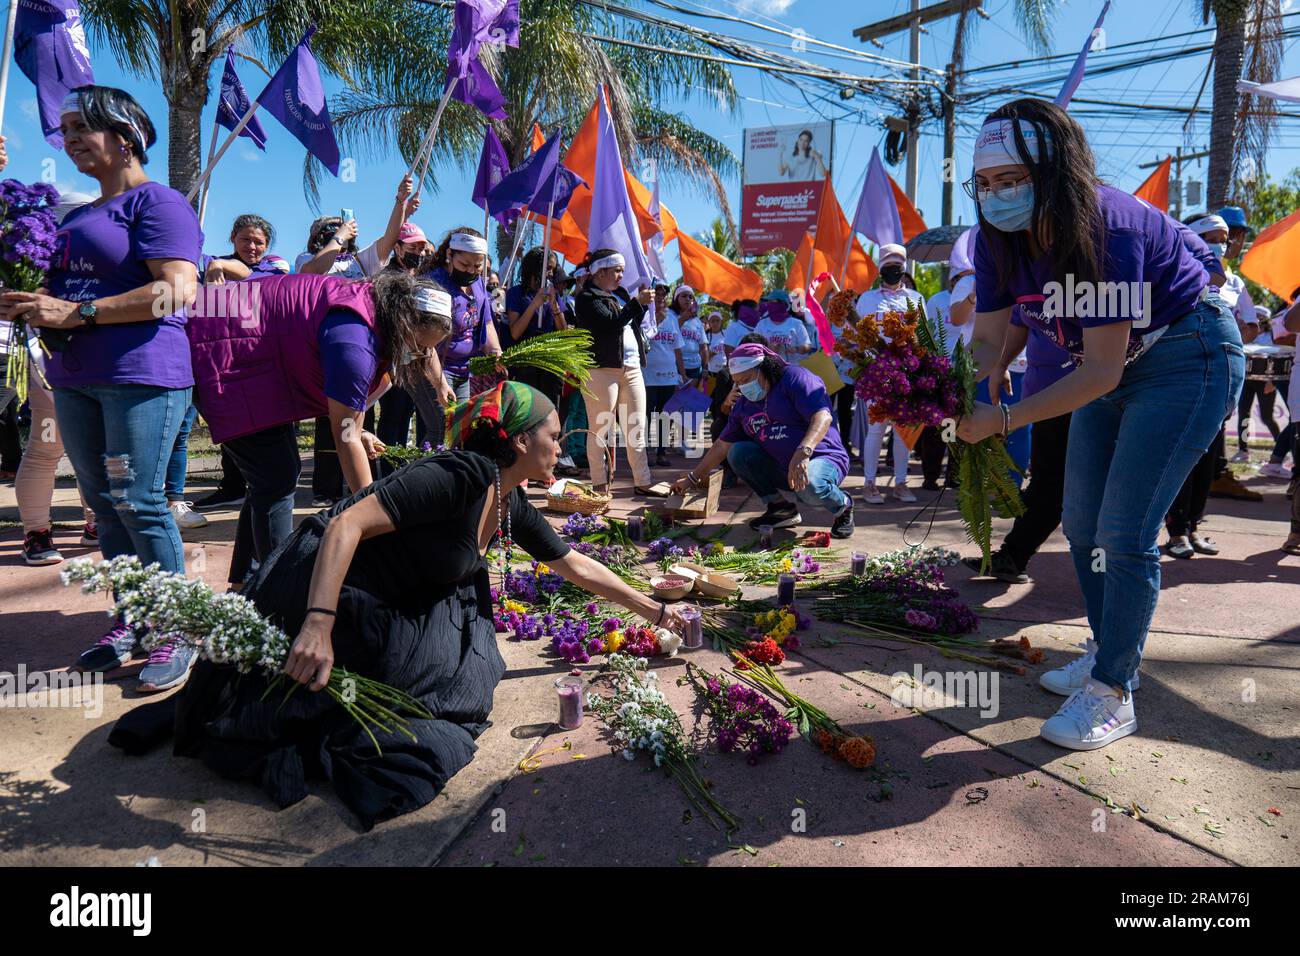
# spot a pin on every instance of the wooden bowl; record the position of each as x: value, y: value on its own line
x: 710, y: 583
x: 671, y: 587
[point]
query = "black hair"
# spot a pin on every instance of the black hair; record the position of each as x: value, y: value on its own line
x: 1065, y: 195
x: 251, y: 221
x: 400, y: 323
x: 772, y: 368
x: 442, y: 255
x: 106, y: 108
x: 531, y: 270
x: 595, y: 255
x: 802, y: 133
x: 489, y: 443
x: 322, y: 231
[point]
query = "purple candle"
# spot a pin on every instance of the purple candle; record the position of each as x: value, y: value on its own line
x: 569, y: 689
x: 765, y: 536
x: 859, y: 563
x: 634, y: 527
x: 694, y: 635
x: 785, y: 590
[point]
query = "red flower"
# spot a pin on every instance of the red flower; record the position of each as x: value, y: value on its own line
x: 765, y: 651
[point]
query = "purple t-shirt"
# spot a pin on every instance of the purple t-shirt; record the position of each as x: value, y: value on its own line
x: 1142, y: 246
x: 517, y: 300
x: 470, y: 317
x: 1048, y: 363
x: 102, y: 252
x: 779, y: 422
x: 347, y: 356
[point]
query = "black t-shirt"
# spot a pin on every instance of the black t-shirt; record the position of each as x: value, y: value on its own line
x: 436, y: 504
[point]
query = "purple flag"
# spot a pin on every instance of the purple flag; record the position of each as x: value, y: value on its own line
x: 1080, y: 63
x: 522, y: 187
x: 233, y: 103
x: 478, y: 89
x: 476, y: 22
x: 877, y: 215
x: 493, y: 166
x: 613, y: 223
x: 50, y: 49
x: 558, y: 188
x: 296, y: 97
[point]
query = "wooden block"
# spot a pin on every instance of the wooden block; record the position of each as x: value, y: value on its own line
x: 697, y: 503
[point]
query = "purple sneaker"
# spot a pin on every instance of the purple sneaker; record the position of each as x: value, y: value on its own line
x: 112, y: 650
x: 169, y: 666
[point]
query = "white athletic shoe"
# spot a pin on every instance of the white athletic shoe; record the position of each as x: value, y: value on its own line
x: 1241, y: 455
x: 1093, y: 717
x: 903, y: 493
x: 1071, y: 678
x: 187, y: 519
x: 1272, y: 469
x: 872, y: 496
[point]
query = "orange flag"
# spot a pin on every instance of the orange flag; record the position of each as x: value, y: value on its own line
x: 1274, y: 257
x: 539, y: 138
x: 827, y: 250
x: 1156, y: 188
x: 913, y: 224
x: 713, y: 274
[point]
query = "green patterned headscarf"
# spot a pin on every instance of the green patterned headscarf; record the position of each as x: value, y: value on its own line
x: 510, y: 408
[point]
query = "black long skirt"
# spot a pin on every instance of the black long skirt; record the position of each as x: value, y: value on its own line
x: 440, y: 648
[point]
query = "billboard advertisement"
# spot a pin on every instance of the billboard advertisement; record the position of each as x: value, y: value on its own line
x: 785, y: 168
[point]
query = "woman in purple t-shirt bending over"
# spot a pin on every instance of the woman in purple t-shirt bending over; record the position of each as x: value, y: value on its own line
x: 1159, y: 365
x: 114, y: 322
x: 781, y: 440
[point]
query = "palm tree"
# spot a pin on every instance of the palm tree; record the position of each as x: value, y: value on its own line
x: 178, y: 44
x: 1034, y: 19
x: 551, y: 79
x: 1247, y: 42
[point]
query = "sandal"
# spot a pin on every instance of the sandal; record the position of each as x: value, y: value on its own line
x: 1180, y: 548
x: 1203, y: 545
x: 1292, y: 547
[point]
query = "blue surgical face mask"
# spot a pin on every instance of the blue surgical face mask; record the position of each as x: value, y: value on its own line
x: 1012, y: 211
x: 1220, y: 249
x: 753, y: 390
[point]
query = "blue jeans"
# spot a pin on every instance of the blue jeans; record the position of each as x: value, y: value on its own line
x: 1127, y: 457
x: 119, y: 439
x: 770, y: 481
x: 177, y: 465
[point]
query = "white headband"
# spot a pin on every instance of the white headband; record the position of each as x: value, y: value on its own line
x: 71, y: 104
x: 615, y: 261
x: 744, y: 363
x: 996, y: 144
x: 683, y: 288
x: 1209, y: 223
x: 464, y: 242
x: 434, y: 301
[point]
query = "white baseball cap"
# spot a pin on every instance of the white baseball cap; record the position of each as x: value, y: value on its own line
x: 890, y: 250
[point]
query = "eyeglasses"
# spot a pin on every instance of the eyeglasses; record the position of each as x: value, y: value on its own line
x: 1002, y: 190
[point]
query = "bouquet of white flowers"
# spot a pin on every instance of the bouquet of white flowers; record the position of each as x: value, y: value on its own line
x: 227, y: 629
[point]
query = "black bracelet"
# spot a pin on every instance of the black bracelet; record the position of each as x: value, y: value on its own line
x: 663, y: 609
x: 322, y: 610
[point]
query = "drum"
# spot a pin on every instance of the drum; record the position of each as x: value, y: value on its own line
x: 1269, y: 363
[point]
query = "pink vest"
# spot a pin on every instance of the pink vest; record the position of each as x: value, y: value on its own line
x: 256, y: 351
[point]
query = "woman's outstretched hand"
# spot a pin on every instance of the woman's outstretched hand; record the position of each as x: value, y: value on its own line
x: 312, y: 656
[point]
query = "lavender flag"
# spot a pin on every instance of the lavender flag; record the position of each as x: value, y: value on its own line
x: 296, y: 97
x: 877, y: 215
x: 613, y: 222
x: 1080, y: 63
x: 233, y: 103
x: 50, y: 49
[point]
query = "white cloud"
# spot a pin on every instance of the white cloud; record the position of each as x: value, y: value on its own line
x: 769, y: 8
x: 30, y: 108
x: 250, y: 154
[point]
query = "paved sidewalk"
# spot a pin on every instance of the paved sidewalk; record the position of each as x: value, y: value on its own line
x: 1219, y: 716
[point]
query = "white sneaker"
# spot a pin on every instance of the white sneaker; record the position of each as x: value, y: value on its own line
x: 187, y: 519
x: 1095, y: 716
x: 1241, y: 455
x: 1071, y: 678
x: 1272, y: 469
x: 903, y: 493
x: 872, y: 496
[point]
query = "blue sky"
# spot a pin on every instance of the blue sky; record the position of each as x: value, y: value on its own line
x: 270, y: 183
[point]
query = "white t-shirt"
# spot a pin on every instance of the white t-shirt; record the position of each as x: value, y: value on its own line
x: 876, y: 301
x: 939, y: 308
x: 661, y: 353
x: 734, y: 332
x: 364, y: 263
x: 693, y: 336
x: 787, y: 339
x: 717, y: 351
x: 1235, y: 297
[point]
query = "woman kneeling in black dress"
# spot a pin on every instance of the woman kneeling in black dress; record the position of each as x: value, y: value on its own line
x: 391, y: 583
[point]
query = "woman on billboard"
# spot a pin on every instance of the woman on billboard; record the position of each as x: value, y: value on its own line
x: 805, y: 163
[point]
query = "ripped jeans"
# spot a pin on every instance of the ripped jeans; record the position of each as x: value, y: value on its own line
x: 119, y: 439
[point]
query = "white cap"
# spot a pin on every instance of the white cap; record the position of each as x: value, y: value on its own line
x: 890, y: 250
x: 434, y: 301
x: 682, y: 288
x: 1210, y: 223
x: 962, y: 257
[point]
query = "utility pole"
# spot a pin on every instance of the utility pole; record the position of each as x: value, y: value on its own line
x: 1176, y: 200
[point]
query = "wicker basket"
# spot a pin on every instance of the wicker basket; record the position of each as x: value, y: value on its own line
x: 584, y: 506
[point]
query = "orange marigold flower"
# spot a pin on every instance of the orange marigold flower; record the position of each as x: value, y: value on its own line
x: 857, y: 752
x: 825, y: 740
x: 840, y: 307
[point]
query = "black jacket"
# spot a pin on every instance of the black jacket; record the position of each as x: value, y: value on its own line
x: 604, y: 315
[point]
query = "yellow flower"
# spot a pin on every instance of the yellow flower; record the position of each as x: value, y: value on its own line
x: 516, y: 607
x: 786, y: 565
x: 542, y: 569
x: 613, y: 641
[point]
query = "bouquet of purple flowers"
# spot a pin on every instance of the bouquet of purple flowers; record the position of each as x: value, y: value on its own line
x: 27, y: 245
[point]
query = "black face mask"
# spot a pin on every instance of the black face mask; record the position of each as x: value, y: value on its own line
x: 410, y: 260
x: 891, y: 274
x: 463, y: 278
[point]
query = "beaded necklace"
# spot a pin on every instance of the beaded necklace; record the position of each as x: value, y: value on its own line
x: 506, y: 538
